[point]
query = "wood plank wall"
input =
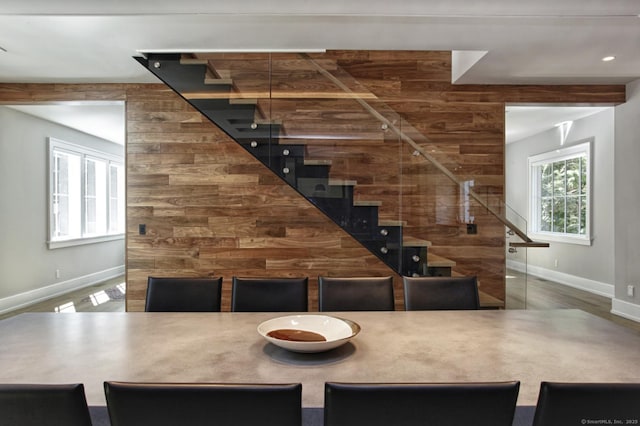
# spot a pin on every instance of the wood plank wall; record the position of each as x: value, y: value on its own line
x: 211, y: 209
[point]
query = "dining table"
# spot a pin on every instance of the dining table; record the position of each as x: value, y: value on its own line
x: 530, y: 346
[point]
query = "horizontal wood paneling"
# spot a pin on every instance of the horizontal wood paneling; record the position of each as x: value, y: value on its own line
x: 220, y: 212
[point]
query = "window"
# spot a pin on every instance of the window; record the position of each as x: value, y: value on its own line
x: 560, y: 194
x: 86, y: 195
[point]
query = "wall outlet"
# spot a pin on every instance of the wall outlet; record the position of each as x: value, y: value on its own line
x: 631, y: 289
x: 555, y: 263
x: 57, y: 273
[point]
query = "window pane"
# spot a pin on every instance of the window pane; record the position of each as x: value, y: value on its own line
x: 558, y: 215
x: 573, y: 176
x: 583, y: 175
x: 546, y: 180
x: 573, y: 215
x: 559, y: 178
x: 95, y: 197
x: 583, y: 215
x: 546, y: 215
x: 65, y: 198
x: 116, y: 198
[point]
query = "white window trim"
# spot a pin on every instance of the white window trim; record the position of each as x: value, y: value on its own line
x: 553, y: 156
x: 84, y: 151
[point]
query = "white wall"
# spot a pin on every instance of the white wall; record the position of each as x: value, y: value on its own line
x: 627, y: 199
x: 27, y: 266
x: 588, y: 267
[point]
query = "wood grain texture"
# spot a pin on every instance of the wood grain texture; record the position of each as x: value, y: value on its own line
x: 211, y: 209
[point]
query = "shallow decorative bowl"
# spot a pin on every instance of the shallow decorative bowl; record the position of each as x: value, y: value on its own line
x: 336, y: 331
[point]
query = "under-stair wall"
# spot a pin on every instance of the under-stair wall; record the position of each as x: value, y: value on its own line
x: 210, y: 208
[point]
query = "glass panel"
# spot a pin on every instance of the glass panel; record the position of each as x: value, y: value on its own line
x: 95, y: 197
x: 559, y: 215
x: 116, y: 198
x: 583, y: 215
x: 334, y: 147
x: 573, y: 215
x: 559, y: 177
x: 583, y: 175
x: 546, y: 214
x: 66, y: 197
x: 546, y: 180
x: 409, y: 197
x: 573, y: 176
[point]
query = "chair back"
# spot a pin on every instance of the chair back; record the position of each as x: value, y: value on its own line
x: 355, y: 294
x: 171, y: 404
x: 440, y: 293
x: 269, y: 294
x: 43, y: 405
x: 561, y: 404
x: 419, y: 404
x: 177, y: 294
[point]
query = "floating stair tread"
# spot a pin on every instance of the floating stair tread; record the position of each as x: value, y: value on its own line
x: 243, y: 101
x: 218, y: 81
x: 489, y: 302
x: 223, y: 73
x: 328, y: 140
x: 415, y: 242
x: 264, y: 94
x: 342, y: 182
x: 530, y: 244
x: 433, y: 260
x: 193, y: 61
x: 268, y: 122
x: 221, y: 95
x: 392, y: 223
x: 366, y: 203
x: 317, y: 162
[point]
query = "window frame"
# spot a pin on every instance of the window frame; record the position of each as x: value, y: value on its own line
x: 57, y: 145
x: 534, y: 164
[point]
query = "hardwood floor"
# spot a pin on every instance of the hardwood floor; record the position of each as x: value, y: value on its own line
x: 107, y: 296
x: 544, y: 294
x: 540, y: 294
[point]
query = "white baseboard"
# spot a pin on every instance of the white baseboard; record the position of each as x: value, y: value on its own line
x: 595, y: 287
x: 27, y: 298
x: 625, y: 309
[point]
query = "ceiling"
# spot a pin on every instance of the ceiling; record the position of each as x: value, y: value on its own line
x: 493, y: 41
x: 496, y: 41
x: 105, y: 120
x: 524, y: 121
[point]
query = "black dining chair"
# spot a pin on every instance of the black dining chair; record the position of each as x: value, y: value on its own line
x: 183, y: 294
x: 440, y: 293
x: 199, y: 404
x: 420, y: 404
x: 561, y: 404
x: 43, y: 405
x: 269, y: 294
x: 355, y: 294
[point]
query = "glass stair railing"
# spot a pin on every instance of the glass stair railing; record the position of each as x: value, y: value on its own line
x: 346, y: 151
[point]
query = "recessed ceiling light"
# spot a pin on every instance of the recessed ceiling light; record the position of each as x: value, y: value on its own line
x: 608, y: 58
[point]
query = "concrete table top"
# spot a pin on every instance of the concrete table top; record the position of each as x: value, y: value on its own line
x: 445, y: 346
